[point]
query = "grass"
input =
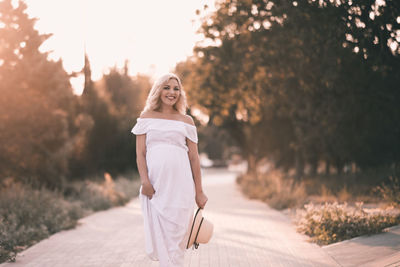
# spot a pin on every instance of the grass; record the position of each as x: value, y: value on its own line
x: 282, y: 191
x: 279, y: 192
x: 390, y: 191
x: 29, y: 214
x: 315, y: 202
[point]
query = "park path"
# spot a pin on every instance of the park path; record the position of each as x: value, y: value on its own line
x: 246, y: 233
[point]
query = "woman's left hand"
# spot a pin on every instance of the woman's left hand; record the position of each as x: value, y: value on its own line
x: 201, y: 200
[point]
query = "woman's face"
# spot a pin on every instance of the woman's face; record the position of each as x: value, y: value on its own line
x: 170, y: 92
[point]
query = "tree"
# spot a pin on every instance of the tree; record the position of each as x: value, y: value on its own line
x: 108, y: 110
x: 36, y: 102
x: 125, y: 96
x: 282, y: 77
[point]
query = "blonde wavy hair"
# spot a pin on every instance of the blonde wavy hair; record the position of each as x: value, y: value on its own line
x: 153, y: 101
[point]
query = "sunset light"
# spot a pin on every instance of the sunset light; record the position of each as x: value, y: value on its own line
x: 153, y: 35
x: 199, y: 133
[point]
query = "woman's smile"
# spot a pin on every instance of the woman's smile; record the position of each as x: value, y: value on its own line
x: 171, y: 97
x: 170, y: 92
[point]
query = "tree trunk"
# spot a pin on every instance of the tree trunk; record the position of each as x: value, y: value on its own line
x: 328, y: 168
x: 339, y: 166
x: 299, y: 165
x: 251, y: 165
x: 314, y: 167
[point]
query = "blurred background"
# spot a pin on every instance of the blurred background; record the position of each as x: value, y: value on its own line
x: 301, y: 97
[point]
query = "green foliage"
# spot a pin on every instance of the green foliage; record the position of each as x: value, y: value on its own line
x: 281, y: 190
x: 109, y: 107
x: 97, y: 196
x: 28, y: 214
x: 215, y: 142
x: 128, y: 188
x: 36, y: 103
x: 302, y: 81
x: 390, y: 191
x: 275, y: 189
x: 48, y: 135
x: 334, y: 222
x: 125, y: 96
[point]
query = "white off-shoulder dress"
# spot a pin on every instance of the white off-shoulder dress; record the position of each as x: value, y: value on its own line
x: 168, y: 214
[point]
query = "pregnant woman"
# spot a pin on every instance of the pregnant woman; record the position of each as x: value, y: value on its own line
x: 169, y: 168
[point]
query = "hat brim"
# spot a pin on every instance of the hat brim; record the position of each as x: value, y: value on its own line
x: 200, y: 230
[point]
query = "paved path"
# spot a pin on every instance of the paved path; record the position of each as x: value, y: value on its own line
x: 246, y: 233
x: 376, y: 250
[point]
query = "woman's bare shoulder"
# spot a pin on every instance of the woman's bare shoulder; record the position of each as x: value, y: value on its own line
x: 188, y: 119
x: 147, y: 114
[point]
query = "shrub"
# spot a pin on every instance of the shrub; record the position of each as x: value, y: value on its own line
x: 128, y: 187
x: 101, y: 195
x: 273, y: 188
x: 28, y: 215
x: 390, y: 191
x: 333, y: 222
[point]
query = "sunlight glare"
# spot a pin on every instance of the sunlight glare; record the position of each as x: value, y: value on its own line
x: 153, y: 35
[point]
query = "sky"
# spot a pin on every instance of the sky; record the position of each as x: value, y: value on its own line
x: 153, y: 35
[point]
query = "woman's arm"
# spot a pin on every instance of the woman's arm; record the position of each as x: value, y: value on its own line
x: 201, y: 198
x: 147, y: 187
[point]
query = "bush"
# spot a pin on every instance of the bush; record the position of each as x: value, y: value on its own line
x: 390, y: 191
x: 29, y: 214
x: 128, y: 187
x: 333, y: 222
x: 279, y: 192
x: 102, y: 195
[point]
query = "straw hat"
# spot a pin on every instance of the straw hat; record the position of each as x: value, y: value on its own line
x: 201, y: 230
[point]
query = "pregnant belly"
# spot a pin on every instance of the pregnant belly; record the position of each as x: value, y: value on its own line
x: 166, y: 154
x: 170, y: 172
x: 168, y: 160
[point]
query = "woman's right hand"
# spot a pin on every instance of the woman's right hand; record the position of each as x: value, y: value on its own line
x: 147, y: 189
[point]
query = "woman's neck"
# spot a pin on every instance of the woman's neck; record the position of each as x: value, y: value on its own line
x: 165, y: 109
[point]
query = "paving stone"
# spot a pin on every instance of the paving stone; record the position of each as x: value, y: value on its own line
x: 247, y: 233
x: 375, y: 250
